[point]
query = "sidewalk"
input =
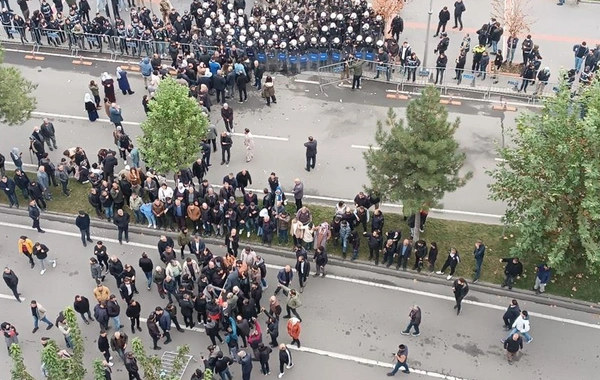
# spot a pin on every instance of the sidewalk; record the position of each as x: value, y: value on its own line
x: 487, y: 288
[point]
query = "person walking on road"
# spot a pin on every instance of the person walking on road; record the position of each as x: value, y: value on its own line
x: 512, y: 313
x: 293, y: 303
x: 521, y: 326
x: 478, y: 253
x: 311, y: 153
x: 39, y: 314
x: 249, y: 144
x: 48, y: 133
x: 118, y: 343
x: 12, y: 281
x: 40, y: 251
x: 512, y: 346
x: 415, y: 321
x: 460, y: 289
x: 104, y: 347
x: 285, y: 359
x: 121, y: 220
x: 541, y: 279
x: 26, y: 247
x: 401, y: 358
x: 83, y: 223
x: 34, y: 214
x: 512, y: 271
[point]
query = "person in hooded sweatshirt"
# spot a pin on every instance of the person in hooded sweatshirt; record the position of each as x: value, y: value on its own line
x: 268, y: 92
x: 123, y: 81
x: 285, y: 359
x: 146, y: 70
x: 521, y: 326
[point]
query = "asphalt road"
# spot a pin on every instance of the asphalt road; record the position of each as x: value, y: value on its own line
x: 352, y: 318
x: 343, y: 123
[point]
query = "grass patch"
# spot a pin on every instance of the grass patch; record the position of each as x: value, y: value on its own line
x: 447, y: 234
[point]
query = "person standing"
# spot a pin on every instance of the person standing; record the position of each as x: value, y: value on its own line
x: 153, y: 331
x: 133, y: 312
x: 320, y: 258
x: 249, y: 144
x: 227, y: 115
x: 268, y: 91
x: 121, y: 220
x: 460, y: 288
x: 478, y: 254
x: 512, y: 346
x: 303, y: 270
x: 124, y: 85
x: 285, y: 359
x: 294, y: 328
x: 114, y: 309
x: 12, y: 281
x: 440, y: 68
x: 164, y: 321
x: 459, y: 9
x: 263, y: 357
x: 83, y: 223
x: 101, y: 315
x: 39, y: 314
x: 118, y: 343
x: 10, y: 334
x: 284, y: 279
x: 401, y: 360
x: 415, y: 321
x: 245, y: 361
x: 104, y: 347
x: 541, y: 279
x: 34, y: 214
x: 48, y: 133
x: 512, y: 313
x: 298, y: 193
x: 226, y: 143
x: 82, y: 306
x: 293, y: 303
x: 25, y: 246
x: 451, y: 261
x: 521, y: 326
x: 145, y: 263
x: 90, y: 107
x: 10, y: 189
x: 443, y: 17
x: 311, y: 153
x: 512, y: 271
x: 357, y: 70
x: 40, y: 251
x: 241, y: 81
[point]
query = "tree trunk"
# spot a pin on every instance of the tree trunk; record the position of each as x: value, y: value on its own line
x: 417, y: 233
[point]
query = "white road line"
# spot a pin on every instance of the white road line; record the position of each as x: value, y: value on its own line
x: 73, y: 117
x: 11, y: 297
x: 366, y: 147
x: 306, y: 81
x: 347, y: 279
x: 29, y: 52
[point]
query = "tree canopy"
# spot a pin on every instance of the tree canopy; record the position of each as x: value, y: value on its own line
x: 416, y: 162
x: 550, y: 180
x: 16, y: 102
x: 173, y: 129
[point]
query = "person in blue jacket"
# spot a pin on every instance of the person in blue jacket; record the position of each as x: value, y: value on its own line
x: 543, y: 276
x: 123, y: 81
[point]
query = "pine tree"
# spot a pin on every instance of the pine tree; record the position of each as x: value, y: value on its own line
x: 419, y: 162
x: 18, y: 371
x: 16, y: 102
x: 173, y: 129
x: 549, y: 177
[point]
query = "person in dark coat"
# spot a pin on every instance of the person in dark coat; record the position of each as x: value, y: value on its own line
x: 131, y: 366
x: 34, y: 214
x: 109, y: 87
x: 121, y: 220
x: 512, y: 313
x: 83, y: 223
x: 82, y: 306
x: 241, y: 81
x: 153, y: 330
x: 320, y: 259
x: 12, y: 281
x: 245, y: 361
x: 90, y: 107
x: 512, y: 271
x: 123, y: 81
x: 415, y: 321
x: 133, y: 312
x: 460, y: 288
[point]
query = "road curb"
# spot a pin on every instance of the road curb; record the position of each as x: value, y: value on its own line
x: 487, y: 288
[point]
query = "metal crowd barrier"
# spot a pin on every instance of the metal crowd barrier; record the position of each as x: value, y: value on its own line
x: 466, y: 81
x: 95, y: 43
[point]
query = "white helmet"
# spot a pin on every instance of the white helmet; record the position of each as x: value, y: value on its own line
x: 286, y: 18
x: 274, y: 37
x: 209, y: 33
x: 217, y: 30
x: 323, y: 40
x: 313, y: 40
x: 336, y: 40
x: 205, y: 5
x: 249, y: 43
x: 293, y: 42
x: 302, y: 39
x: 251, y: 20
x: 263, y: 27
x: 279, y: 21
x: 366, y: 14
x: 273, y: 12
x: 261, y: 41
x: 251, y: 30
x: 323, y: 15
x: 243, y: 32
x: 256, y: 34
x: 369, y: 6
x: 332, y: 16
x: 242, y: 39
x: 368, y: 40
x: 359, y: 38
x: 213, y: 15
x: 272, y: 27
x: 229, y: 38
x: 231, y: 32
x: 290, y: 25
x: 324, y: 29
x: 270, y: 42
x: 332, y: 25
x: 227, y: 27
x: 281, y: 29
x: 207, y: 22
x: 230, y: 6
x: 350, y: 30
x: 380, y: 43
x: 240, y: 21
x: 378, y: 18
x: 296, y: 18
x: 283, y: 45
x: 340, y: 17
x: 353, y: 15
x: 263, y: 20
x: 240, y: 12
x: 232, y: 21
x: 365, y: 27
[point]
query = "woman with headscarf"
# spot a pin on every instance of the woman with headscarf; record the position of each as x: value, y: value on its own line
x: 123, y: 81
x: 109, y: 87
x: 90, y: 107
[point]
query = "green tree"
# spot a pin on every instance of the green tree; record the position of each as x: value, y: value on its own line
x: 173, y: 129
x: 549, y: 177
x: 16, y: 102
x: 57, y: 367
x: 18, y: 371
x: 77, y: 365
x: 98, y: 369
x: 150, y: 364
x: 418, y: 162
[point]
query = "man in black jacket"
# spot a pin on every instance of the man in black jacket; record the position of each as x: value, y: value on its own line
x: 122, y: 222
x: 444, y: 17
x: 34, y: 214
x: 460, y: 289
x: 512, y: 313
x: 397, y: 27
x: 82, y: 306
x: 226, y: 143
x: 83, y: 223
x: 154, y: 331
x: 219, y: 86
x: 131, y: 366
x: 12, y: 281
x: 243, y: 179
x: 512, y: 271
x: 113, y: 309
x: 311, y: 153
x: 440, y: 67
x: 512, y: 346
x: 9, y: 187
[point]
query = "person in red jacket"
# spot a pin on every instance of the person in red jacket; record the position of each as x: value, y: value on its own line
x: 294, y: 328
